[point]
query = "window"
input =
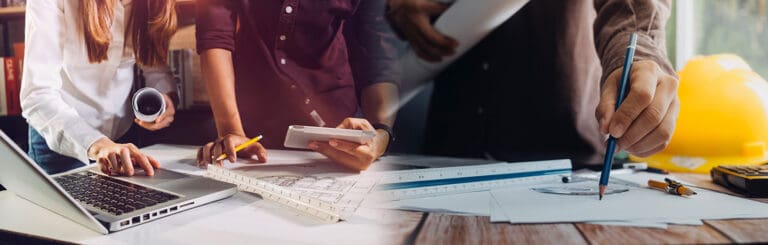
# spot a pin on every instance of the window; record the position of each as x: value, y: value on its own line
x: 724, y: 26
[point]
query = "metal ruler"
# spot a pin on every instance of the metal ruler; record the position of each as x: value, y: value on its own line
x: 407, y: 184
x: 322, y: 210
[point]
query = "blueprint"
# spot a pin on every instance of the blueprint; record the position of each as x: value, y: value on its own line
x: 306, y: 172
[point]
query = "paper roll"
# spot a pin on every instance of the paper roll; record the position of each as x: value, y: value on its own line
x: 467, y: 21
x: 148, y: 104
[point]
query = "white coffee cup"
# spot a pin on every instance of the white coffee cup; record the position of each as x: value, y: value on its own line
x: 148, y: 104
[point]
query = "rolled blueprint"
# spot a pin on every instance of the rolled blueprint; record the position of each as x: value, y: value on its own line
x: 467, y: 21
x: 148, y: 104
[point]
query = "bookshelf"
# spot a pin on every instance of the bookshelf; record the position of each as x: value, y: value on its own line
x: 10, y: 18
x: 12, y: 12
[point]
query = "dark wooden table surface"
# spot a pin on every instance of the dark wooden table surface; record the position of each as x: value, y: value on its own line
x: 435, y: 228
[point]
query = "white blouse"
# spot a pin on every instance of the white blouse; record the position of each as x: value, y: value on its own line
x: 68, y: 100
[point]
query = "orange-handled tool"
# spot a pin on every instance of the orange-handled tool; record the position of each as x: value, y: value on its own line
x: 671, y: 187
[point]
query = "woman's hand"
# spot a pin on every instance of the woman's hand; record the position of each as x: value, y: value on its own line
x: 226, y: 144
x: 353, y: 155
x: 120, y: 159
x: 162, y: 121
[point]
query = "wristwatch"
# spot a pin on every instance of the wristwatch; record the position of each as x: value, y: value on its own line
x: 389, y: 132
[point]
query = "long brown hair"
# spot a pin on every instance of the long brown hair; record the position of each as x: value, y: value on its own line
x: 149, y: 29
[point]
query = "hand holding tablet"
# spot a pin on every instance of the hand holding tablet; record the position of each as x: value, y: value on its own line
x: 300, y: 136
x: 355, y: 143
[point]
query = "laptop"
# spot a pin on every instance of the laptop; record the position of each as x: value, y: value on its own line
x: 106, y: 203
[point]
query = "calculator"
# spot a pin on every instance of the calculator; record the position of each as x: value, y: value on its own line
x: 748, y: 180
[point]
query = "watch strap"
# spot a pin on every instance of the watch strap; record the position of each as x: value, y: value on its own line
x: 389, y: 131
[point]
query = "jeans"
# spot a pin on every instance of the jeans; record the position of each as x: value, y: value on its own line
x: 53, y: 162
x: 49, y: 160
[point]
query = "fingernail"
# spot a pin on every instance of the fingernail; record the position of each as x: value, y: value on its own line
x: 333, y: 143
x: 313, y: 146
x: 617, y: 130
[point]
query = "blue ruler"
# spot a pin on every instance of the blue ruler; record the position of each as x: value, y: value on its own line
x: 418, y: 183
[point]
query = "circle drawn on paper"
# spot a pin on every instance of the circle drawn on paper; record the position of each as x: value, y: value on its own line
x: 579, y: 191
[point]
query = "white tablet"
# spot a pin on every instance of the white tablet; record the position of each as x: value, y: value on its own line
x: 299, y: 136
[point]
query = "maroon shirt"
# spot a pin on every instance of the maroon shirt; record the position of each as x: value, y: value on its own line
x: 299, y: 61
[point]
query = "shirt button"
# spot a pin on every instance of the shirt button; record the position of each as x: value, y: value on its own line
x: 282, y: 61
x: 486, y: 66
x: 480, y: 110
x: 293, y: 86
x: 288, y: 10
x: 306, y: 101
x: 282, y: 37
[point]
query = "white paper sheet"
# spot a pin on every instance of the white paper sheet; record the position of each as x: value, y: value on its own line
x: 522, y: 205
x: 497, y: 215
x: 472, y: 203
x: 182, y: 158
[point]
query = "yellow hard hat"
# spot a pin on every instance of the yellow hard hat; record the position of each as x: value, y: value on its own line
x: 723, y: 117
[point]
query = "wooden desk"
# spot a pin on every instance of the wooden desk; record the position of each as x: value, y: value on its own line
x: 434, y: 228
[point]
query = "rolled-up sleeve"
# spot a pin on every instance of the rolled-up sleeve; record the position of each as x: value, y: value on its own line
x: 373, y: 46
x: 216, y: 22
x: 63, y: 129
x: 618, y: 19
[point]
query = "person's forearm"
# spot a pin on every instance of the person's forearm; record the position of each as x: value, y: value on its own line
x: 379, y: 103
x: 612, y: 31
x: 219, y: 77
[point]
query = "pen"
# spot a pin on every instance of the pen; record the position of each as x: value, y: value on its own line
x: 672, y: 187
x: 240, y: 147
x: 656, y: 170
x: 621, y: 94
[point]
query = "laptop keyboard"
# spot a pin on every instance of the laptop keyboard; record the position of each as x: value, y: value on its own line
x: 111, y: 195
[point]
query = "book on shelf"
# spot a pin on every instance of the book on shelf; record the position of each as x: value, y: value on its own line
x: 10, y: 81
x: 180, y: 64
x: 12, y: 86
x: 13, y: 3
x: 3, y: 96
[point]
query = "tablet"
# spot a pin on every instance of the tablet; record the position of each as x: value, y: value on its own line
x: 299, y: 136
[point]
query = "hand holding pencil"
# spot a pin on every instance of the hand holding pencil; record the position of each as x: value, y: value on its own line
x: 621, y: 94
x: 229, y: 147
x: 645, y: 122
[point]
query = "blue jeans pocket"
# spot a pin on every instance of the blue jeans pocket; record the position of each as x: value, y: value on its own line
x: 49, y: 160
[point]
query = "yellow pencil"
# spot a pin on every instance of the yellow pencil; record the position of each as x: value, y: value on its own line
x: 240, y: 147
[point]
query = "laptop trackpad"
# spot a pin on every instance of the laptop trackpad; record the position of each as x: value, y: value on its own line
x: 161, y: 176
